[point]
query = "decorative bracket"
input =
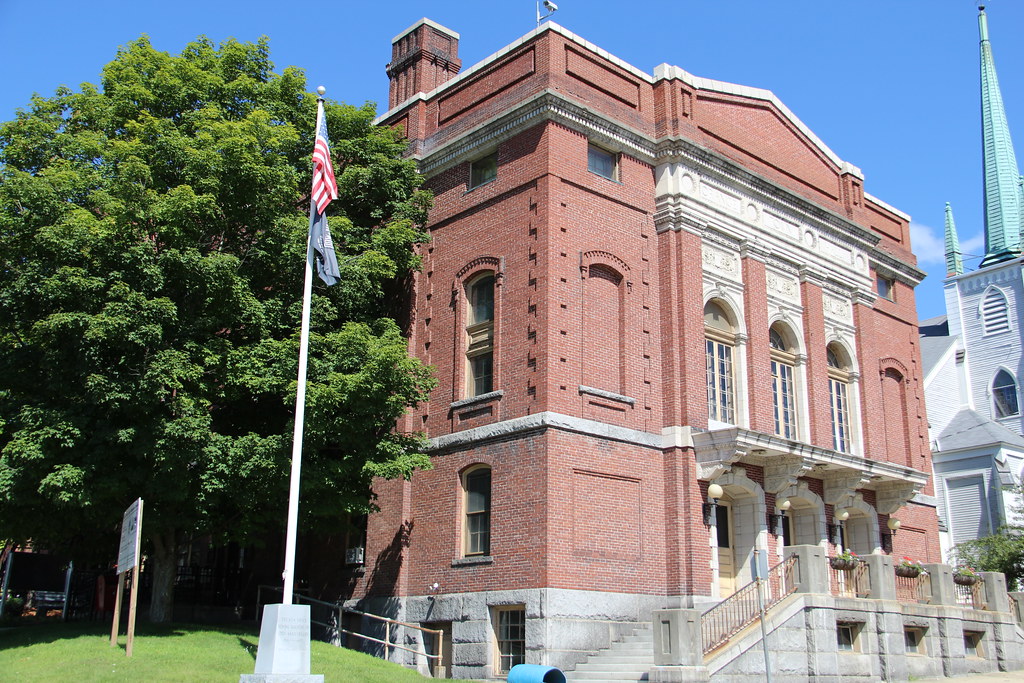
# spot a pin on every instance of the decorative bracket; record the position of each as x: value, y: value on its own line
x: 891, y: 496
x: 782, y: 472
x: 841, y: 487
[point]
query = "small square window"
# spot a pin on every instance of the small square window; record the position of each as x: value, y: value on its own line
x: 913, y: 639
x: 972, y: 644
x: 483, y: 170
x: 846, y: 637
x: 885, y: 287
x: 603, y: 163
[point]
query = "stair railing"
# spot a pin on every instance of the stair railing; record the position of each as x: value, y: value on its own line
x: 333, y: 626
x: 727, y: 618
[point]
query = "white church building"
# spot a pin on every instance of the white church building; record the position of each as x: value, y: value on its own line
x: 972, y: 356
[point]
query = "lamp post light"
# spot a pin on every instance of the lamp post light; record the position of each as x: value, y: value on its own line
x: 778, y: 518
x: 894, y: 525
x: 838, y: 517
x: 711, y: 507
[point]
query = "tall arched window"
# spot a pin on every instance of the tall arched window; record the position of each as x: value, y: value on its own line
x: 720, y: 345
x: 994, y: 313
x: 480, y: 335
x: 783, y: 362
x: 476, y: 484
x: 839, y: 398
x: 1004, y: 395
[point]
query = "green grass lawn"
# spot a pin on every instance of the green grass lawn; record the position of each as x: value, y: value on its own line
x: 55, y: 651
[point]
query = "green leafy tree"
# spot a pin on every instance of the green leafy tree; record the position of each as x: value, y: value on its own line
x: 152, y: 246
x: 1002, y: 551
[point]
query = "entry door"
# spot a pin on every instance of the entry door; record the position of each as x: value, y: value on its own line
x: 726, y: 556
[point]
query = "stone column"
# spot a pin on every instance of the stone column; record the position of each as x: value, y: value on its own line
x: 941, y: 578
x: 994, y: 592
x: 811, y: 568
x: 883, y: 577
x: 678, y: 650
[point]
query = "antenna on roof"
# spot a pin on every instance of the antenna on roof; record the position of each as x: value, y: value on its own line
x: 549, y: 6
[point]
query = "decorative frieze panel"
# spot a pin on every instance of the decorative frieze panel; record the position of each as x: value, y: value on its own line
x: 783, y: 286
x: 837, y: 308
x: 720, y: 261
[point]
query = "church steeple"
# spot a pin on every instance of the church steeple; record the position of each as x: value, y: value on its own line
x: 1004, y: 218
x: 954, y: 259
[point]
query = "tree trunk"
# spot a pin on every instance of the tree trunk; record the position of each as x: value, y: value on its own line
x: 163, y: 565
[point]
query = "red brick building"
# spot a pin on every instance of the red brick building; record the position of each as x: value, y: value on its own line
x: 637, y: 286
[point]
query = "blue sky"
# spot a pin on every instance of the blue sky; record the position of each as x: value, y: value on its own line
x: 890, y: 85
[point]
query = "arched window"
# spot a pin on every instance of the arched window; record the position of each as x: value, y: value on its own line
x: 476, y: 484
x: 480, y: 334
x: 994, y: 314
x: 839, y: 398
x: 1004, y: 395
x: 783, y: 362
x: 720, y: 346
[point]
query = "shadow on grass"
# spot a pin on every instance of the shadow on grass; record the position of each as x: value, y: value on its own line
x: 35, y: 632
x: 249, y: 646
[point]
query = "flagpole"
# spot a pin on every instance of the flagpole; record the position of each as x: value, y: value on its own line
x: 300, y: 400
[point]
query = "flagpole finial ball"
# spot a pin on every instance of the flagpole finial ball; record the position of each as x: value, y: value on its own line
x: 321, y: 90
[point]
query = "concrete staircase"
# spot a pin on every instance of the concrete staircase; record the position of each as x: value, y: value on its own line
x: 626, y: 661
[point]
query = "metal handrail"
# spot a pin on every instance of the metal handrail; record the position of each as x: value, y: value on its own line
x: 736, y: 612
x: 340, y: 609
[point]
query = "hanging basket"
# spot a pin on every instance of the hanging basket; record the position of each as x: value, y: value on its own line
x: 908, y: 572
x: 964, y: 579
x: 842, y: 564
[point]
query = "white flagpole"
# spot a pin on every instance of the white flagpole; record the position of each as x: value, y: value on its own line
x: 300, y: 403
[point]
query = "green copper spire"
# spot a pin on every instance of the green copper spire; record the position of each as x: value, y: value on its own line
x: 1003, y: 215
x: 954, y: 259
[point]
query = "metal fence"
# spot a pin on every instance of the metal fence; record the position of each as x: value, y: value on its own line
x: 850, y: 583
x: 914, y: 589
x: 973, y: 596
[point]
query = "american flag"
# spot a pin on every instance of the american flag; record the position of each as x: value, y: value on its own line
x: 325, y: 188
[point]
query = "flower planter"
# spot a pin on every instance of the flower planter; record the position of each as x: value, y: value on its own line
x: 842, y: 563
x: 908, y: 572
x: 964, y: 579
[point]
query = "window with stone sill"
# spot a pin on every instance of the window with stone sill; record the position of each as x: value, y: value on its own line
x: 783, y: 362
x: 839, y: 378
x: 476, y: 484
x: 480, y: 335
x: 720, y: 346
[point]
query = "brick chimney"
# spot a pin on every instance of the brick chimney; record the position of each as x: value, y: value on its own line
x: 423, y: 57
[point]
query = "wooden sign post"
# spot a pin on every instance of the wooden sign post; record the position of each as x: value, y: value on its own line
x: 128, y: 560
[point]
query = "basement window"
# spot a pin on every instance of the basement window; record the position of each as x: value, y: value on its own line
x: 846, y: 636
x: 972, y: 644
x: 913, y: 639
